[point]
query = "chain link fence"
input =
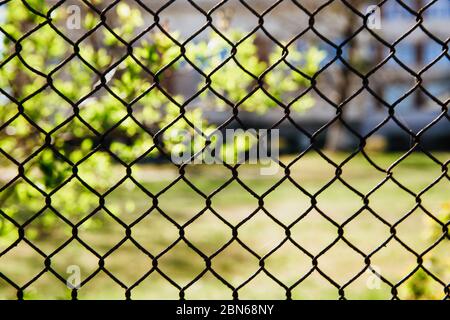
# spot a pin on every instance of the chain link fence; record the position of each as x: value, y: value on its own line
x: 92, y: 88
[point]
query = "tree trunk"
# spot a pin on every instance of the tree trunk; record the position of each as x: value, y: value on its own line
x: 336, y: 135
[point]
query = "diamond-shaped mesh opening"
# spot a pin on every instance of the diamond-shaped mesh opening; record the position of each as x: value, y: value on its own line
x: 100, y: 160
x: 313, y: 232
x: 173, y: 26
x: 86, y: 202
x: 280, y: 205
x: 118, y: 259
x: 48, y: 223
x: 128, y: 83
x: 182, y: 264
x: 341, y: 253
x: 15, y: 204
x: 208, y: 233
x: 259, y: 241
x: 100, y: 100
x: 31, y: 262
x: 101, y: 244
x: 56, y: 112
x: 401, y: 201
x: 101, y: 59
x: 394, y: 271
x: 155, y: 232
x: 129, y: 208
x: 332, y: 194
x: 21, y: 131
x: 41, y: 163
x: 234, y: 257
x: 75, y: 255
x: 405, y: 231
x: 78, y: 88
x: 361, y: 175
x: 362, y: 229
x: 245, y: 204
x: 34, y: 50
x: 187, y: 208
x: 288, y: 258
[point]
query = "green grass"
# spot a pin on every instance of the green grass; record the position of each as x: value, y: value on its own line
x: 313, y: 232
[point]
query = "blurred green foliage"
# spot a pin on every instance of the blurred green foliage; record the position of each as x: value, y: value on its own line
x: 421, y: 284
x: 91, y: 111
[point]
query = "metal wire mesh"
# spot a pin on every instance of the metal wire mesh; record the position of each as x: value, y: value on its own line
x: 360, y: 18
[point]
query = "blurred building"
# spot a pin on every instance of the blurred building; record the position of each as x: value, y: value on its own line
x: 423, y: 52
x: 420, y: 52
